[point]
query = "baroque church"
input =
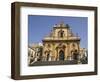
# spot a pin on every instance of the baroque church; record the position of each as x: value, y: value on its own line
x: 61, y: 44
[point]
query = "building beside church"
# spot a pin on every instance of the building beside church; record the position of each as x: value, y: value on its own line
x: 60, y: 45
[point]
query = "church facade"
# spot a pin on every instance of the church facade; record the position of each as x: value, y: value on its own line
x: 61, y: 44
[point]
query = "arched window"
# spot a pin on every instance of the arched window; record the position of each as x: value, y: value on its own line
x: 61, y: 34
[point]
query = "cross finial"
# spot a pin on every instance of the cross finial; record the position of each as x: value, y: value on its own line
x: 61, y: 23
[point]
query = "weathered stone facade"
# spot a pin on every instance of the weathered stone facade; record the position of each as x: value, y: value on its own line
x: 60, y: 44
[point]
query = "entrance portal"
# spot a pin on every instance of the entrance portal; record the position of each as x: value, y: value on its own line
x: 61, y: 55
x: 48, y: 57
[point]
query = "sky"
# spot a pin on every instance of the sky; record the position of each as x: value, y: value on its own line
x: 39, y: 26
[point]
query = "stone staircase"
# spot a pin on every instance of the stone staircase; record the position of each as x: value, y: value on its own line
x: 48, y: 63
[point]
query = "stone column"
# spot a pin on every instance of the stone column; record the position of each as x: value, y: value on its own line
x: 53, y: 50
x: 58, y: 54
x: 69, y: 50
x: 66, y: 53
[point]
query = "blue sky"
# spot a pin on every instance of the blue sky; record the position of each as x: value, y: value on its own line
x: 39, y: 26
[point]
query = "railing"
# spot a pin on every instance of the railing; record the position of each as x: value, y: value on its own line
x: 62, y: 38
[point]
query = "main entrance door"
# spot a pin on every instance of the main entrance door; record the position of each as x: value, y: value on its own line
x: 48, y: 57
x: 61, y: 55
